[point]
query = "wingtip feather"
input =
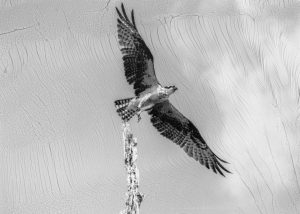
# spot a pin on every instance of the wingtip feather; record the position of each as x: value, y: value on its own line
x: 132, y: 18
x: 222, y: 167
x: 119, y: 14
x: 220, y: 172
x: 124, y: 12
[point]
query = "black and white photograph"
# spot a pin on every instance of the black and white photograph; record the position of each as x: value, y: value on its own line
x: 147, y: 106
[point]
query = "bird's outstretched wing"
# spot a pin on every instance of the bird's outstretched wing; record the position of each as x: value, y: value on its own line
x: 175, y: 126
x: 138, y: 60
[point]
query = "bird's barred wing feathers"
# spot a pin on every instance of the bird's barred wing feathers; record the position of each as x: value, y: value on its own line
x: 138, y: 60
x: 175, y: 126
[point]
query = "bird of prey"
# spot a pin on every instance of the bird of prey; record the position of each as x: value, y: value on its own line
x: 150, y: 96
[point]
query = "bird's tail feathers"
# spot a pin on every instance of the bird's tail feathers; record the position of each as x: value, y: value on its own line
x: 122, y: 110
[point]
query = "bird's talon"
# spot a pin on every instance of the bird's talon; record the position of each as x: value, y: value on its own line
x: 139, y: 117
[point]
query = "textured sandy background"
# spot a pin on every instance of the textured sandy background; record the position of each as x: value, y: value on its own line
x: 236, y: 64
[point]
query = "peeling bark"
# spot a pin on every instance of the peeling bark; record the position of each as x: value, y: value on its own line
x: 133, y: 197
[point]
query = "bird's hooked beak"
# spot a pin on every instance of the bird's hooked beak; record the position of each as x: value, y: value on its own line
x: 170, y: 89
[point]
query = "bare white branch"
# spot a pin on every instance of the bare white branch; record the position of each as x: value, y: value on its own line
x: 133, y: 197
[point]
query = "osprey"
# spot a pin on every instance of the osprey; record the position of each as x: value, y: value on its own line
x: 150, y: 96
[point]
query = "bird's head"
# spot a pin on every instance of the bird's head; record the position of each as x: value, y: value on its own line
x: 171, y: 89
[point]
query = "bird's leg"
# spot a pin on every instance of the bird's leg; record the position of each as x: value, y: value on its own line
x: 143, y: 100
x: 139, y: 107
x: 139, y: 111
x: 139, y: 117
x: 139, y: 114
